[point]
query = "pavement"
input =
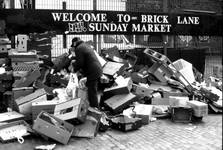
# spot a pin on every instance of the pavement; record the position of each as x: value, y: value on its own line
x: 162, y: 134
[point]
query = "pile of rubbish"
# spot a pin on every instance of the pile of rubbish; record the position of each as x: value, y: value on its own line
x: 55, y: 105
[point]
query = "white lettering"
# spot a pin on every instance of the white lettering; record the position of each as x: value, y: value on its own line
x: 154, y: 19
x: 119, y: 17
x: 135, y: 28
x: 143, y: 18
x: 65, y: 17
x: 151, y: 27
x: 91, y: 27
x: 56, y: 16
x: 187, y: 20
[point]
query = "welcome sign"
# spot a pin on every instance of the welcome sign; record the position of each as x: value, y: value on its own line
x: 109, y: 22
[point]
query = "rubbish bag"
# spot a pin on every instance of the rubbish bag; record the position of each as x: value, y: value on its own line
x: 72, y: 85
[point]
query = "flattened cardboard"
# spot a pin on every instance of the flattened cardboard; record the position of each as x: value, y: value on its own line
x: 28, y: 80
x: 53, y: 127
x: 11, y: 116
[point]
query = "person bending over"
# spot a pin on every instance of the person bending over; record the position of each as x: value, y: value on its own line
x: 87, y: 61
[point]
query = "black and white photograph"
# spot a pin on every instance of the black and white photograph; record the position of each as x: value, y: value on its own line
x: 111, y: 74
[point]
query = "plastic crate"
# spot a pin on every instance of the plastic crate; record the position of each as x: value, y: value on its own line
x: 200, y: 109
x: 181, y: 114
x: 21, y: 66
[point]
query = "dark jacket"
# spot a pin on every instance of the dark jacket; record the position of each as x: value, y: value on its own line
x: 87, y: 61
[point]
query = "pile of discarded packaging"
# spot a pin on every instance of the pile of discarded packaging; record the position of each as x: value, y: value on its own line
x: 132, y: 95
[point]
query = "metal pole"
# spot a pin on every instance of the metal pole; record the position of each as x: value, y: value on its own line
x: 95, y: 40
x: 64, y: 35
x: 12, y: 5
x: 165, y: 10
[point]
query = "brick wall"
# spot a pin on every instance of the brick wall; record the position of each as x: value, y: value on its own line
x: 144, y: 5
x: 206, y: 5
x: 157, y: 5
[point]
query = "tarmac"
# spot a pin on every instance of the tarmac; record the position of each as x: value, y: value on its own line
x: 161, y: 134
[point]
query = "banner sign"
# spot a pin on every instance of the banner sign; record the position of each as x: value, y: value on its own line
x: 109, y: 22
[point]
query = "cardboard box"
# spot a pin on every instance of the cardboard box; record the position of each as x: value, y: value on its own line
x: 24, y: 104
x: 160, y: 101
x: 140, y: 111
x: 178, y: 100
x: 161, y: 72
x: 53, y: 127
x: 26, y: 66
x: 47, y: 106
x: 144, y: 112
x: 22, y: 43
x: 72, y: 109
x: 28, y: 80
x: 82, y: 93
x: 143, y: 91
x: 90, y: 127
x: 22, y: 91
x: 200, y: 109
x: 11, y: 116
x: 22, y: 55
x: 112, y: 68
x: 156, y: 55
x: 39, y: 85
x: 138, y: 78
x: 123, y: 87
x: 118, y: 103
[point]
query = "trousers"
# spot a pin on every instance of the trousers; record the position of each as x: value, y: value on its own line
x: 92, y: 86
